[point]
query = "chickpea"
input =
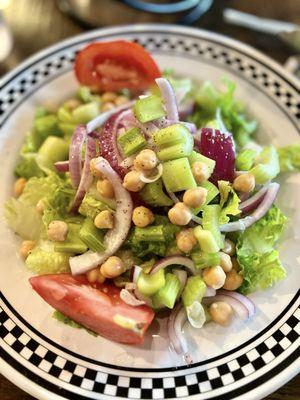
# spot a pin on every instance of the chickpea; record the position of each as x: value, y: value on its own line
x: 92, y: 275
x: 107, y: 106
x: 145, y: 160
x: 244, y: 183
x: 142, y: 216
x: 40, y: 207
x: 214, y: 277
x: 221, y: 312
x: 229, y: 247
x: 26, y: 248
x: 108, y: 97
x: 104, y: 220
x: 180, y: 214
x: 19, y: 186
x: 120, y: 100
x: 105, y: 188
x: 57, y: 231
x: 186, y: 240
x: 200, y: 171
x: 72, y: 104
x: 132, y: 181
x: 195, y: 197
x: 233, y: 280
x: 112, y: 267
x: 225, y: 262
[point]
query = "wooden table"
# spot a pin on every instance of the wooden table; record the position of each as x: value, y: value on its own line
x: 38, y: 23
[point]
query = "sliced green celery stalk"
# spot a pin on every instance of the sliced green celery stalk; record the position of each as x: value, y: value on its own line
x: 131, y: 142
x: 149, y: 108
x: 47, y: 126
x: 150, y: 234
x: 153, y: 194
x: 73, y: 244
x: 210, y: 222
x: 92, y: 236
x: 28, y: 167
x: 194, y: 290
x: 204, y: 260
x: 170, y: 135
x: 85, y: 113
x: 177, y: 175
x: 149, y: 284
x: 206, y: 240
x: 167, y: 295
x: 53, y: 149
x: 195, y: 156
x: 177, y: 150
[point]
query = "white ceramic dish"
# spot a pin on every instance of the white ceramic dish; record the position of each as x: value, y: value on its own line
x: 246, y: 360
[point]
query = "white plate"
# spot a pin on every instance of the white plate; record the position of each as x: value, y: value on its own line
x: 246, y: 360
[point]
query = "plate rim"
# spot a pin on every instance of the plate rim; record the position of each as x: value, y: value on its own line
x: 32, y: 387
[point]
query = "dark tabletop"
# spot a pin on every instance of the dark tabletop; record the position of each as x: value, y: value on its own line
x: 36, y: 24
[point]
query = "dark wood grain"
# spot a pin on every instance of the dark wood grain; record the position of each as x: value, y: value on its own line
x: 36, y: 24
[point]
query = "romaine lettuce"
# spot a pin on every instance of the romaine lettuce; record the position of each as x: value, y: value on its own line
x: 260, y: 264
x: 229, y: 202
x: 289, y: 158
x: 47, y: 262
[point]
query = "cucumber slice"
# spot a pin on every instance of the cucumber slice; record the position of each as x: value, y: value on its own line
x: 153, y: 194
x: 149, y: 108
x: 131, y: 142
x: 177, y: 175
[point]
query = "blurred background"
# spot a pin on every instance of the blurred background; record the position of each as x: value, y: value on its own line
x: 27, y: 26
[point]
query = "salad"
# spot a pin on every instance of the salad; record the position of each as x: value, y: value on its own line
x: 147, y: 192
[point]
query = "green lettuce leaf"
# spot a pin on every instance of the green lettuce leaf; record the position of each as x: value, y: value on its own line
x: 289, y: 158
x: 229, y: 201
x: 41, y: 261
x: 260, y: 264
x: 232, y: 112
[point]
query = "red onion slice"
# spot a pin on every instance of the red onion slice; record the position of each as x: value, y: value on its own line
x: 174, y: 260
x: 169, y: 97
x: 262, y: 209
x: 175, y: 324
x: 130, y: 299
x: 210, y: 292
x: 75, y: 154
x: 253, y: 202
x: 85, y: 180
x: 62, y: 166
x: 243, y: 299
x: 173, y: 197
x: 218, y: 146
x: 115, y: 237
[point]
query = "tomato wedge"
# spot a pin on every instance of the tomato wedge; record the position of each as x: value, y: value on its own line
x: 111, y: 66
x: 95, y: 306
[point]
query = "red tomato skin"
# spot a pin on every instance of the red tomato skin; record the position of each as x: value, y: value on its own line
x: 125, y: 57
x: 93, y: 306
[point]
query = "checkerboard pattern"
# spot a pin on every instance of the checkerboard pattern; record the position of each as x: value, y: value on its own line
x: 256, y: 73
x: 149, y: 388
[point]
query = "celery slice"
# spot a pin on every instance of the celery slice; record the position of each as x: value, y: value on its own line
x: 150, y: 234
x: 91, y: 207
x: 204, y: 260
x: 195, y: 156
x: 177, y: 175
x: 149, y: 108
x: 171, y: 135
x: 206, y: 240
x: 167, y: 295
x: 194, y: 290
x: 153, y: 194
x: 92, y: 236
x: 210, y: 222
x: 53, y: 149
x: 177, y: 150
x: 150, y: 284
x: 131, y: 142
x: 47, y: 126
x: 83, y: 114
x: 72, y: 244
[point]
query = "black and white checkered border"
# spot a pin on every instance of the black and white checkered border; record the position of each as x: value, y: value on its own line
x: 179, y: 386
x: 233, y: 60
